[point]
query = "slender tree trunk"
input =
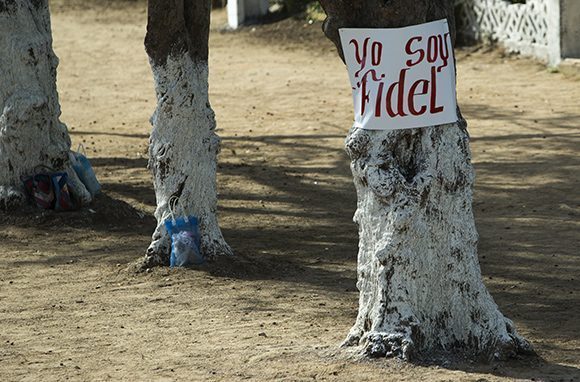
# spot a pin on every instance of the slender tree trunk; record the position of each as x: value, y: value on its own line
x: 419, y: 278
x: 31, y: 133
x: 183, y: 145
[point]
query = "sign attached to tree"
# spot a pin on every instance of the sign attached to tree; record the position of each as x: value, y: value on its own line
x: 401, y: 78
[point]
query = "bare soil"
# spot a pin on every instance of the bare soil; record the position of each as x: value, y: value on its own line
x: 71, y: 308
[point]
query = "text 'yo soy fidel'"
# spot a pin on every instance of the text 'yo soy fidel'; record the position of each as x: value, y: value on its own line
x: 401, y: 78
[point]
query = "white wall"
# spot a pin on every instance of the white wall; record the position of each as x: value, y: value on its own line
x: 546, y: 29
x: 241, y: 11
x: 570, y: 29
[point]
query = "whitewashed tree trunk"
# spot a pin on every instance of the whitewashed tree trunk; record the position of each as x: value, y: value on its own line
x: 31, y: 133
x: 420, y: 284
x: 183, y: 145
x: 419, y: 277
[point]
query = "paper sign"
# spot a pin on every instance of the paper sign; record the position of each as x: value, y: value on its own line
x: 401, y: 78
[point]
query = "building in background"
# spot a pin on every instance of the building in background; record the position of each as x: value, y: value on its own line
x: 242, y: 11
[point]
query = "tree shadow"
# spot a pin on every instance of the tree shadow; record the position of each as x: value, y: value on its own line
x: 121, y: 162
x: 294, y: 226
x: 529, y: 368
x: 530, y: 285
x: 109, y: 133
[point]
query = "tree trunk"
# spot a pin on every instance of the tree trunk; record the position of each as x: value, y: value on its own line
x: 419, y: 278
x: 31, y: 133
x: 183, y: 145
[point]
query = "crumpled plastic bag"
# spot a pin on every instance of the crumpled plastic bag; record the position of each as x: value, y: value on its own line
x: 185, y: 240
x: 84, y: 170
x: 49, y: 190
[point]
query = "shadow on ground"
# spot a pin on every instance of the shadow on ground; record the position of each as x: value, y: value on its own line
x: 294, y: 225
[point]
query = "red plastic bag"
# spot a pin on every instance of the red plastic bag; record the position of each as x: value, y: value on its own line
x: 49, y: 191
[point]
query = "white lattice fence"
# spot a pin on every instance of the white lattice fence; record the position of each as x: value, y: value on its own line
x: 521, y: 27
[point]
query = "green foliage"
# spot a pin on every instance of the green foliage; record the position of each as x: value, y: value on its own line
x: 315, y: 12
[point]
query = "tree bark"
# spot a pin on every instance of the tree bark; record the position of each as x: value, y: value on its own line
x: 420, y: 284
x: 31, y: 133
x: 183, y: 145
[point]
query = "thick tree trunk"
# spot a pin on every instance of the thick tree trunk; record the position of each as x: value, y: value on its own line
x: 419, y: 278
x: 183, y: 145
x: 31, y: 133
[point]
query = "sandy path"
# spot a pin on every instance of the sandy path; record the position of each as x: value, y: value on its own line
x: 70, y: 310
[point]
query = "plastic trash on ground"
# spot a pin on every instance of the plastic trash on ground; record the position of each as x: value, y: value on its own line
x: 185, y: 239
x: 49, y: 190
x: 84, y: 170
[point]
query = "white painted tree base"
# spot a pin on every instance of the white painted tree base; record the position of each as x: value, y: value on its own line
x: 418, y: 274
x: 183, y: 154
x: 31, y: 133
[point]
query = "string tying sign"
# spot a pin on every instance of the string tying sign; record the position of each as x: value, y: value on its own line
x: 401, y: 78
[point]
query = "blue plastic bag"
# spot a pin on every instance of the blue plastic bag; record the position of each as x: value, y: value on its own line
x: 84, y: 170
x: 62, y: 196
x: 185, y: 240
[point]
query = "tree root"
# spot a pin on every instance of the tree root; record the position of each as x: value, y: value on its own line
x: 511, y: 347
x: 11, y: 198
x: 402, y: 343
x: 214, y: 248
x: 390, y: 345
x: 159, y: 250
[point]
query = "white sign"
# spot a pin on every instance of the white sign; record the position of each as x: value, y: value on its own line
x: 401, y: 78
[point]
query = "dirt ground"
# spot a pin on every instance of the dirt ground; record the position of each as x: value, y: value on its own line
x: 70, y: 309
